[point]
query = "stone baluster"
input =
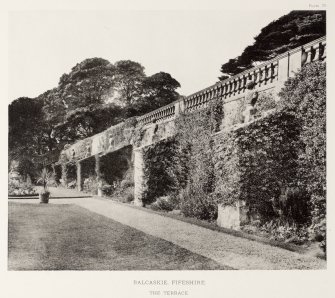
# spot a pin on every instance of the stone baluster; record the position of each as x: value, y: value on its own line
x: 324, y: 48
x: 224, y: 91
x: 235, y: 86
x: 220, y: 94
x: 239, y: 85
x: 316, y: 52
x: 261, y: 77
x: 268, y: 72
x: 256, y: 76
x: 309, y: 55
x: 187, y: 104
x: 273, y: 71
x: 244, y: 83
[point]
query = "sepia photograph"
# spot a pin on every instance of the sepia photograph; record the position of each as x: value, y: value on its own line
x: 147, y: 142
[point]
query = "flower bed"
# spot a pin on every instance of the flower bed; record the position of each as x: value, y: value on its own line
x: 21, y: 189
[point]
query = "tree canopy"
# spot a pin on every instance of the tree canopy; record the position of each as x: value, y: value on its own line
x: 287, y: 32
x: 93, y: 96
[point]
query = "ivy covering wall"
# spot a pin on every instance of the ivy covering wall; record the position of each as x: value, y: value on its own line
x: 257, y: 163
x: 161, y: 170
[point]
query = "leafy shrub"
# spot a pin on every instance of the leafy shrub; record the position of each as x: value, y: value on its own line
x: 166, y: 203
x: 318, y: 227
x: 199, y: 204
x: 284, y: 231
x: 127, y: 195
x: 72, y: 184
x: 46, y: 178
x: 293, y: 205
x: 91, y: 184
x: 107, y: 189
x: 15, y: 187
x: 126, y: 183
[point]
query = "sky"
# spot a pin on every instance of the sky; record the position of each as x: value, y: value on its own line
x: 190, y: 45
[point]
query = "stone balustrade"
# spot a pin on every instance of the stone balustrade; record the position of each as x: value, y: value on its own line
x: 265, y: 74
x: 314, y: 51
x: 161, y: 114
x: 234, y: 86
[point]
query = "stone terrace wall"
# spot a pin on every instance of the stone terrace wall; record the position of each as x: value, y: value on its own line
x: 269, y: 77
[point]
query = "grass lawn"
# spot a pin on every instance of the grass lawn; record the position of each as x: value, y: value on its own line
x: 68, y: 237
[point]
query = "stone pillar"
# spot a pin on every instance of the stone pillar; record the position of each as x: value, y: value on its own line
x: 64, y: 175
x: 177, y: 108
x: 139, y: 181
x: 53, y: 170
x: 317, y: 53
x: 98, y: 173
x: 79, y: 176
x: 283, y: 74
x: 231, y: 217
x: 295, y: 62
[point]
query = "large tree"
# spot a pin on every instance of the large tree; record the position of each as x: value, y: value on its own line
x: 88, y: 83
x: 158, y: 90
x: 129, y: 77
x: 87, y: 121
x: 93, y: 96
x: 25, y: 122
x: 54, y: 113
x: 288, y: 32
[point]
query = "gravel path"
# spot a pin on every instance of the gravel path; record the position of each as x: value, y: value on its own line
x: 228, y: 250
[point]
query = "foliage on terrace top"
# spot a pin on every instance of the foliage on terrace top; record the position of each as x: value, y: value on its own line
x: 288, y: 32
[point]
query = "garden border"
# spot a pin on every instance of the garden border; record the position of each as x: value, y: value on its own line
x: 211, y: 226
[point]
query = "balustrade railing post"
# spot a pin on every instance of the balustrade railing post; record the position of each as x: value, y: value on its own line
x: 324, y: 50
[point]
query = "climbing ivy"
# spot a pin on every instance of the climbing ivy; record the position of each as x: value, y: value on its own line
x: 195, y: 135
x: 304, y: 97
x: 254, y: 163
